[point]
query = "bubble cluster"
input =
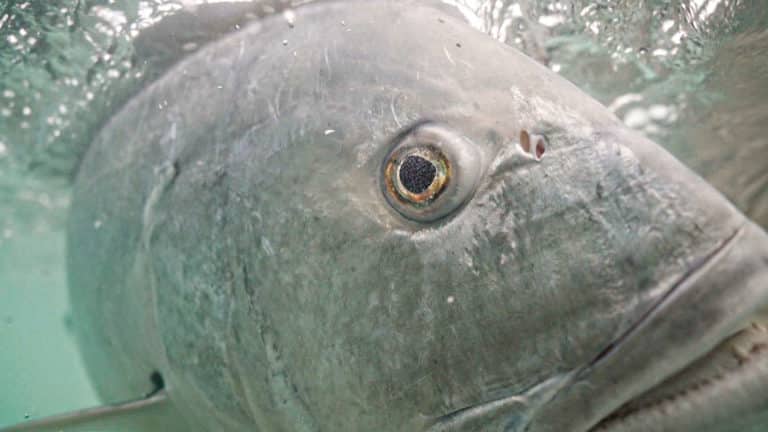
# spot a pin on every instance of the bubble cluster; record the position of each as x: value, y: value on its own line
x: 613, y: 50
x: 64, y: 66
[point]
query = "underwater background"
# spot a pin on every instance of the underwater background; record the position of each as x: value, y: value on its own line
x: 691, y: 74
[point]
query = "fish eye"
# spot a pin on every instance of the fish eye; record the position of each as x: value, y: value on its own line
x: 419, y: 176
x: 430, y: 172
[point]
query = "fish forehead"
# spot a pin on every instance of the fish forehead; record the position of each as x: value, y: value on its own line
x: 336, y: 63
x: 334, y: 295
x: 427, y: 67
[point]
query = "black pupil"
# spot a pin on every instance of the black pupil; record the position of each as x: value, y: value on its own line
x: 416, y: 174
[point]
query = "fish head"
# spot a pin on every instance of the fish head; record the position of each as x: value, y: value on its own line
x: 416, y: 227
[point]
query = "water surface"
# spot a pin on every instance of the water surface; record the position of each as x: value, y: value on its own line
x: 690, y: 74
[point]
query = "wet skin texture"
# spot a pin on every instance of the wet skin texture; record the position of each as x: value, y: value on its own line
x: 246, y: 250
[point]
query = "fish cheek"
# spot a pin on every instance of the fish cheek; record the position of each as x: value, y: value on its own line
x: 348, y: 316
x: 494, y: 326
x: 192, y: 280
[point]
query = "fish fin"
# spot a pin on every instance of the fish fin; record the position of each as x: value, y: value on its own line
x: 102, y: 418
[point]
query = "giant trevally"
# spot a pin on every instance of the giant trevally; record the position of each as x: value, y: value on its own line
x: 371, y: 217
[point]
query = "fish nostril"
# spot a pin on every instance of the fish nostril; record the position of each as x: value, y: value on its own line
x: 525, y: 141
x: 540, y: 147
x: 534, y: 145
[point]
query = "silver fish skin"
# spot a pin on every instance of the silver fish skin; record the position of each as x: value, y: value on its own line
x: 231, y: 230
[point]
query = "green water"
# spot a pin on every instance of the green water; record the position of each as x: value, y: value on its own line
x: 690, y: 74
x: 62, y: 65
x: 41, y: 371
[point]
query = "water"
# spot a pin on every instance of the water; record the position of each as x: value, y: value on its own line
x: 689, y: 74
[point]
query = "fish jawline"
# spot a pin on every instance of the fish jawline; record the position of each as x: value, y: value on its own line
x: 719, y: 296
x: 728, y: 383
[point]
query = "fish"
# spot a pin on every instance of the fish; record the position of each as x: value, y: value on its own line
x: 368, y: 216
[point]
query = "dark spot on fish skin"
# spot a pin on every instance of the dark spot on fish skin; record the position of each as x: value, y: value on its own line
x: 493, y: 136
x: 441, y: 21
x: 69, y: 322
x: 599, y: 190
x: 158, y: 383
x: 458, y: 44
x: 540, y: 148
x: 246, y: 285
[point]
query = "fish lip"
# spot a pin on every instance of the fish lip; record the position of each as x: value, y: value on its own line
x: 702, y: 382
x: 693, y: 317
x: 692, y: 271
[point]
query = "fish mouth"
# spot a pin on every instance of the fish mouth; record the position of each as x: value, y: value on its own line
x: 697, y: 360
x: 734, y: 375
x: 710, y: 387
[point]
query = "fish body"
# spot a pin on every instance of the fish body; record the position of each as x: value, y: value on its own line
x: 246, y: 229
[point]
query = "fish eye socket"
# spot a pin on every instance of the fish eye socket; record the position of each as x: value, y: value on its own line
x: 429, y: 172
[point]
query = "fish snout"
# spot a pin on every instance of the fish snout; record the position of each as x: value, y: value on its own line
x: 696, y: 361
